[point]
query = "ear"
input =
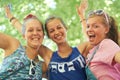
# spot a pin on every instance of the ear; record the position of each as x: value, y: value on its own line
x: 107, y: 29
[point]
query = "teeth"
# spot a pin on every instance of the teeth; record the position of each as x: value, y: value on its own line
x: 35, y: 39
x: 58, y: 37
x: 91, y: 37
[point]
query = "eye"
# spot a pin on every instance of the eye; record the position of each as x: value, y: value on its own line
x: 59, y: 27
x: 50, y: 31
x: 96, y: 26
x: 39, y: 30
x: 30, y: 30
x: 87, y: 26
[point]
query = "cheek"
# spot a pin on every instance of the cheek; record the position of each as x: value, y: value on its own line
x: 42, y: 33
x: 27, y: 35
x: 50, y: 35
x: 86, y: 32
x: 101, y: 34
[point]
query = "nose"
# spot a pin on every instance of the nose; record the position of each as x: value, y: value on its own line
x: 35, y: 32
x: 89, y: 28
x: 56, y: 31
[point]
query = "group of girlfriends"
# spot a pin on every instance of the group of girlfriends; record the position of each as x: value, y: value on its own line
x: 66, y: 63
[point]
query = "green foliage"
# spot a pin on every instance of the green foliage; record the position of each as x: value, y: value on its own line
x: 66, y: 9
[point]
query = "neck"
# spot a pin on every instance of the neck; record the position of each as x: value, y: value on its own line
x: 64, y: 49
x: 31, y: 52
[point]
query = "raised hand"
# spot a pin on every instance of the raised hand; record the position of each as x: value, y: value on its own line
x: 82, y: 8
x: 81, y: 12
x: 15, y: 22
x: 8, y: 12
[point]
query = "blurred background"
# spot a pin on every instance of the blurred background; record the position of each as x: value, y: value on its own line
x: 66, y: 9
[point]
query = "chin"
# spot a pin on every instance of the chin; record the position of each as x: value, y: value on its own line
x: 36, y: 46
x: 92, y: 43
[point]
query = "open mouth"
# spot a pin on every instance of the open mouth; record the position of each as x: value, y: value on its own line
x: 91, y: 37
x: 35, y: 39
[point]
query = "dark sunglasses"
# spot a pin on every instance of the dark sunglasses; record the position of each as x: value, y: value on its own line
x: 32, y: 68
x: 29, y: 16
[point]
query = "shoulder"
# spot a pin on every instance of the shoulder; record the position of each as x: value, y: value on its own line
x: 84, y: 48
x: 108, y: 48
x: 76, y: 52
x: 108, y: 43
x: 13, y: 44
x: 45, y: 52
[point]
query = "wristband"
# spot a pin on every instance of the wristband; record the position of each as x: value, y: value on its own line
x: 12, y: 19
x: 82, y: 20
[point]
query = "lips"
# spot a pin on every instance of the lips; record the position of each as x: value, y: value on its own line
x: 35, y: 39
x: 91, y: 37
x: 58, y: 37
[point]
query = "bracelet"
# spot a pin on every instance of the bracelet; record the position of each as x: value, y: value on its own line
x: 12, y: 19
x: 82, y: 20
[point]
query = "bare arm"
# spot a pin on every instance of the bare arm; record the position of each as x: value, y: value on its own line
x: 44, y: 68
x: 15, y: 22
x: 81, y: 12
x: 117, y: 57
x: 46, y: 54
x: 6, y: 43
x: 84, y: 48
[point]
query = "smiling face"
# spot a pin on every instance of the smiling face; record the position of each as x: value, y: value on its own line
x: 56, y: 31
x: 96, y: 29
x: 33, y: 33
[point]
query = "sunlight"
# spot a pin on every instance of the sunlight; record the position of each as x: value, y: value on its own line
x: 108, y: 2
x: 2, y: 27
x: 50, y: 3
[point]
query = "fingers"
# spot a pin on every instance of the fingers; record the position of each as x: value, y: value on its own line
x: 84, y: 4
x: 7, y: 12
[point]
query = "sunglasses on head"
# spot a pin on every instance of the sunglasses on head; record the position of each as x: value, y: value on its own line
x: 99, y: 12
x: 32, y: 68
x: 29, y: 16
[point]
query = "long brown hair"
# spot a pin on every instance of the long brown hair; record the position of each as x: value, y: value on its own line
x: 113, y: 31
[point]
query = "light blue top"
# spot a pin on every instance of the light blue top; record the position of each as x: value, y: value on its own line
x: 17, y: 65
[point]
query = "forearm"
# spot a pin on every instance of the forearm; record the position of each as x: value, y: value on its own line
x: 15, y: 22
x: 84, y: 25
x: 83, y: 22
x: 81, y: 12
x: 84, y: 48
